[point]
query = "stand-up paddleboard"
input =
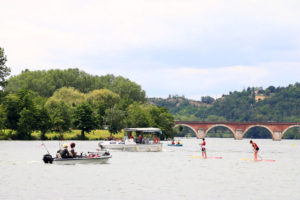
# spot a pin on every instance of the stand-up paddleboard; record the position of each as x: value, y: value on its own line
x: 209, y: 157
x: 252, y: 160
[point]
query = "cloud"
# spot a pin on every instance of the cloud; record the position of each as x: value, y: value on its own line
x: 194, y: 83
x: 188, y: 47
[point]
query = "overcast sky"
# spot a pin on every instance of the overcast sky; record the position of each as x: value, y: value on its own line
x: 186, y: 47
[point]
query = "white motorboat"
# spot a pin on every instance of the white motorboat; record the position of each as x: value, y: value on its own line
x: 90, y: 158
x: 139, y: 145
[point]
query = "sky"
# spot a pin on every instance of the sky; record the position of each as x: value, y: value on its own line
x: 193, y: 48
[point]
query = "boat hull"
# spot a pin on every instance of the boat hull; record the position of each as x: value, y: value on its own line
x: 73, y: 161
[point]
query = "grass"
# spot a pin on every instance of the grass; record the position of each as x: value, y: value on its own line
x: 70, y: 135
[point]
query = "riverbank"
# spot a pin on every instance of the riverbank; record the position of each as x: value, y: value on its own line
x: 70, y: 135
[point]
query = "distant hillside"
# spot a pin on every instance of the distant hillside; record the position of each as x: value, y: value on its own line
x: 281, y: 104
x: 180, y: 107
x: 251, y: 104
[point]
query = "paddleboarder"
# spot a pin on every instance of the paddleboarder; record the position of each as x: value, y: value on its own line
x: 203, y: 149
x: 255, y: 149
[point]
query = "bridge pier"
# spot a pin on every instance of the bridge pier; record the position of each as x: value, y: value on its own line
x: 238, y: 135
x: 277, y: 135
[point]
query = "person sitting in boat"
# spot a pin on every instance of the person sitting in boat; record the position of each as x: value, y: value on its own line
x: 178, y: 142
x: 72, y: 151
x: 173, y: 142
x: 156, y: 140
x: 130, y: 135
x: 141, y: 139
x: 65, y: 152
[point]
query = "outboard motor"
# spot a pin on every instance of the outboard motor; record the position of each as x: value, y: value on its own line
x: 47, y: 158
x: 106, y: 153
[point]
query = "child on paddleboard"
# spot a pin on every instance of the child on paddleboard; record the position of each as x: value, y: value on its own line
x: 203, y: 149
x: 255, y: 148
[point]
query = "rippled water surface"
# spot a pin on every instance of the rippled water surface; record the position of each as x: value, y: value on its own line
x: 171, y: 174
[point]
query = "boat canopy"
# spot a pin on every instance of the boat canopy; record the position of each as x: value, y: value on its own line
x: 144, y: 130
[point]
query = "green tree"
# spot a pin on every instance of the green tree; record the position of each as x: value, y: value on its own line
x: 207, y: 100
x: 70, y: 96
x: 60, y: 114
x: 26, y: 124
x: 2, y: 117
x: 12, y: 109
x: 114, y: 119
x: 129, y: 92
x: 103, y: 97
x: 163, y: 120
x: 45, y: 83
x: 27, y: 121
x: 160, y: 117
x: 138, y: 116
x: 101, y: 100
x: 21, y: 113
x: 84, y: 119
x: 43, y: 122
x: 4, y: 70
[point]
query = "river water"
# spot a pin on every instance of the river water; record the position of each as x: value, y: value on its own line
x: 171, y: 174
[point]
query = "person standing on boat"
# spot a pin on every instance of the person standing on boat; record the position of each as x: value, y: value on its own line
x: 72, y: 151
x: 65, y: 152
x: 255, y: 149
x: 203, y: 149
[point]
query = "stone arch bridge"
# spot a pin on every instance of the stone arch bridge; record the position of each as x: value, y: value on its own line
x: 239, y: 129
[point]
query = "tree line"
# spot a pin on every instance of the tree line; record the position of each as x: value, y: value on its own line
x: 61, y: 100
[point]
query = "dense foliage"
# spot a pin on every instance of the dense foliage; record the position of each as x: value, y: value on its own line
x: 62, y: 100
x: 45, y: 83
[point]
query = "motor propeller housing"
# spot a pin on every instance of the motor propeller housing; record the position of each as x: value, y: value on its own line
x: 47, y: 158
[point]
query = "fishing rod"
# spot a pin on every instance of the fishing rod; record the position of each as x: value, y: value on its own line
x: 45, y: 147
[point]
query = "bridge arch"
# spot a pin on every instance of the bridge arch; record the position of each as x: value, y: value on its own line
x: 220, y: 125
x: 188, y: 127
x: 263, y: 126
x: 285, y: 130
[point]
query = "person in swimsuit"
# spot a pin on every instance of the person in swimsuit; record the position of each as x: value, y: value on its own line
x: 255, y: 149
x: 203, y: 149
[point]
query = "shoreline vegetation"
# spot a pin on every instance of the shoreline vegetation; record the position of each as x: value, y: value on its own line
x: 105, y: 134
x: 69, y: 135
